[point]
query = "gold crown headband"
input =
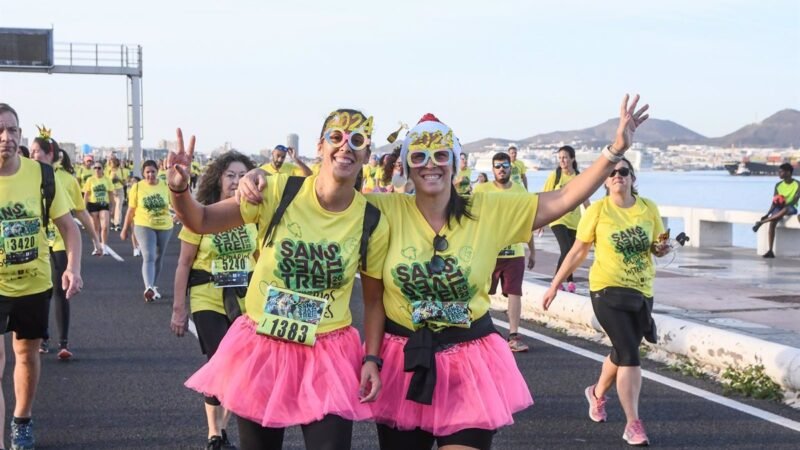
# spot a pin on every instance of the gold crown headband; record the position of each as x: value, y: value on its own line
x: 44, y: 133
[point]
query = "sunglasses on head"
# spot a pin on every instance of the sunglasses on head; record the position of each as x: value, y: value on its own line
x: 356, y: 140
x: 502, y: 165
x: 420, y: 158
x: 437, y: 262
x: 623, y: 172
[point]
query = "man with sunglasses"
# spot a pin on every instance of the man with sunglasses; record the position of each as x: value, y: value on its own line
x: 510, y: 268
x: 278, y: 164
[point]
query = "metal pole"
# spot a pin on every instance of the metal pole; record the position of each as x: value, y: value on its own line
x: 136, y: 109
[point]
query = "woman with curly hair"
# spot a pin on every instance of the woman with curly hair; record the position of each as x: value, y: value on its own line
x: 214, y: 277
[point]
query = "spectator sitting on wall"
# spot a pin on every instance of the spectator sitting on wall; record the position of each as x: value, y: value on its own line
x: 784, y: 203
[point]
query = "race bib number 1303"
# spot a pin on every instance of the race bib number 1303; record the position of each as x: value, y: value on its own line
x: 291, y: 316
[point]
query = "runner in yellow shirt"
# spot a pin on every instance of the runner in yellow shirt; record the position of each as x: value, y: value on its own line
x: 368, y: 174
x: 296, y: 331
x: 148, y: 214
x: 45, y: 150
x: 97, y: 191
x: 279, y: 164
x: 510, y: 265
x: 213, y: 272
x: 25, y: 273
x: 518, y: 169
x: 463, y: 181
x: 626, y: 231
x: 117, y: 174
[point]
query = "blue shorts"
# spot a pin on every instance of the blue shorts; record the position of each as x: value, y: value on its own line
x: 790, y: 210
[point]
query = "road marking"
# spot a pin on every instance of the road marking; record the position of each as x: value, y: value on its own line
x: 192, y: 329
x: 747, y: 409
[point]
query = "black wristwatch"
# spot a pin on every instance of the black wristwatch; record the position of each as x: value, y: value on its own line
x: 376, y: 359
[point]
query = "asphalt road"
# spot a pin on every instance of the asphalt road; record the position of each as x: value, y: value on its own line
x: 124, y: 387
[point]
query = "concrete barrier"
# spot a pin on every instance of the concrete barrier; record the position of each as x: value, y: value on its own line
x: 706, y: 345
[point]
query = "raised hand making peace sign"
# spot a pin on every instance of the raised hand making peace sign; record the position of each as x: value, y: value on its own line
x: 178, y: 165
x: 629, y: 120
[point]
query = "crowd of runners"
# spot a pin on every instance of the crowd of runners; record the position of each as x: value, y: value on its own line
x: 269, y: 256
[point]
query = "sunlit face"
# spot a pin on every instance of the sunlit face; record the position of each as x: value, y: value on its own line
x: 88, y: 163
x: 619, y: 183
x: 150, y: 174
x: 10, y: 134
x: 462, y: 161
x: 482, y: 178
x: 38, y: 153
x: 341, y: 160
x: 432, y: 179
x: 277, y: 158
x: 230, y: 178
x: 512, y: 152
x: 564, y: 160
x: 97, y: 170
x: 501, y: 170
x: 373, y: 161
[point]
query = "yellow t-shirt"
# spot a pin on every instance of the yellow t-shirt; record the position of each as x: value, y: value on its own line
x: 788, y: 190
x: 99, y: 189
x: 287, y: 168
x: 622, y: 238
x: 25, y: 257
x: 464, y: 186
x: 518, y: 169
x: 512, y: 251
x: 315, y: 168
x: 314, y: 251
x: 572, y: 218
x: 84, y: 175
x: 162, y: 175
x: 195, y: 168
x: 413, y: 296
x: 66, y: 182
x: 117, y: 176
x: 368, y: 173
x: 152, y: 204
x: 214, y: 248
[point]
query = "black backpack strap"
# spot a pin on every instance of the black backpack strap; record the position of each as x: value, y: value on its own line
x: 293, y: 185
x: 372, y: 215
x: 48, y: 191
x: 558, y: 178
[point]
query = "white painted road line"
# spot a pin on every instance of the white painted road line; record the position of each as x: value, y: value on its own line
x: 192, y: 329
x: 710, y: 396
x: 113, y: 254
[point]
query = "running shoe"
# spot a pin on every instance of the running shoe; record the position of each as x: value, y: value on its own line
x: 769, y: 254
x: 597, y: 406
x: 63, y: 353
x: 635, y: 435
x: 561, y: 287
x: 97, y: 252
x: 44, y: 347
x: 149, y: 295
x: 571, y: 287
x: 22, y: 435
x: 757, y: 226
x: 516, y: 345
x: 214, y: 443
x: 137, y: 252
x: 157, y: 295
x: 225, y: 442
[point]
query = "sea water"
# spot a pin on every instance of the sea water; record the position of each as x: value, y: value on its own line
x: 699, y: 189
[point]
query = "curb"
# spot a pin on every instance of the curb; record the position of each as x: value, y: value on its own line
x: 709, y: 346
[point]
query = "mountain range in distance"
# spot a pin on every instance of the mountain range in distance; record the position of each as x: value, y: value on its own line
x: 780, y: 130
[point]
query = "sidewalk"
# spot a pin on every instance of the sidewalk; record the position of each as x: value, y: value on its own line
x: 715, y: 307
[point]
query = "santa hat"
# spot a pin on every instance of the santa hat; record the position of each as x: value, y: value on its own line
x: 431, y: 125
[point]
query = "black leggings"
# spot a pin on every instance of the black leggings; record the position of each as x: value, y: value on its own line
x: 393, y: 439
x: 211, y: 328
x: 58, y: 259
x: 566, y: 239
x: 330, y: 433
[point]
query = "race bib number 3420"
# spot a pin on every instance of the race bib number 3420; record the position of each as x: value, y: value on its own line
x: 291, y: 316
x: 20, y: 240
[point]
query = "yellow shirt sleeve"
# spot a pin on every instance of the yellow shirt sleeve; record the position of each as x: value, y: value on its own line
x: 587, y: 226
x: 188, y: 236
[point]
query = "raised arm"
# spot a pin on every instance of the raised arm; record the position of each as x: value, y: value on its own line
x: 293, y: 154
x: 555, y: 204
x: 220, y: 216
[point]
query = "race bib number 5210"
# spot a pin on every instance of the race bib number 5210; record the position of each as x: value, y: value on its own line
x: 291, y: 316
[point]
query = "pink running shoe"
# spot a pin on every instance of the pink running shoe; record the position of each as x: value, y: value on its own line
x: 571, y: 287
x: 634, y: 434
x: 561, y: 287
x: 64, y: 354
x: 597, y: 406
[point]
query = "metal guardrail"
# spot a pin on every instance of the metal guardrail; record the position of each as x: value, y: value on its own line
x: 98, y: 55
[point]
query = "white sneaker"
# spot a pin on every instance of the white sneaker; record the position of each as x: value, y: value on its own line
x: 137, y: 252
x: 156, y: 295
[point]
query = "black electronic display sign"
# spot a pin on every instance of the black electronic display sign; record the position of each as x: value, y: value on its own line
x: 26, y: 47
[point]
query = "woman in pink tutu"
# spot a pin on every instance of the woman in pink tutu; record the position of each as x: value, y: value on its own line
x: 293, y: 358
x: 448, y: 376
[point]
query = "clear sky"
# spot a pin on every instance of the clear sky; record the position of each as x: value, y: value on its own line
x: 251, y: 72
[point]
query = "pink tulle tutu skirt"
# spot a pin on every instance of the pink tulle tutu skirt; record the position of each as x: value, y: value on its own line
x: 280, y: 384
x: 478, y: 385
